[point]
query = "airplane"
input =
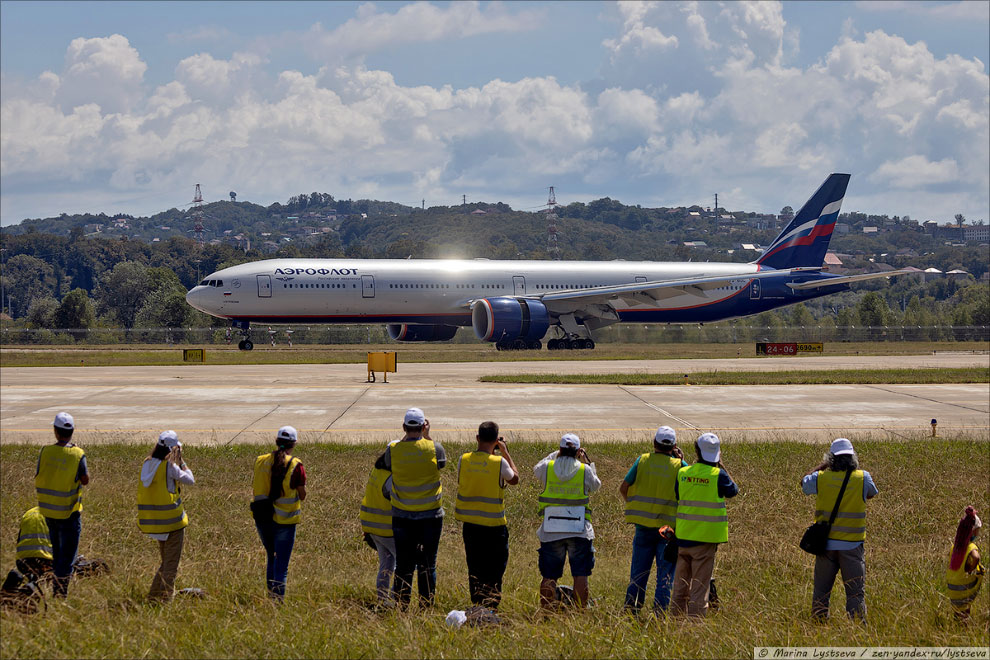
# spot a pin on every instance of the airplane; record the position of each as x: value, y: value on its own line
x: 515, y: 304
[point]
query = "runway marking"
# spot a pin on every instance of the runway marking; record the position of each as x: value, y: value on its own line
x: 925, y: 398
x: 253, y: 423
x: 351, y: 405
x: 659, y: 410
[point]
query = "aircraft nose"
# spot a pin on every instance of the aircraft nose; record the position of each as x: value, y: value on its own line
x: 195, y: 297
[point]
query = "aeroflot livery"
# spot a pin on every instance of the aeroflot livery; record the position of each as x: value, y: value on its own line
x: 515, y: 303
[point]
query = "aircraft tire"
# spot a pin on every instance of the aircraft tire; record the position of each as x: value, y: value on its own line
x: 589, y: 344
x: 520, y: 345
x: 535, y: 345
x: 552, y: 345
x: 567, y: 344
x: 248, y: 345
x: 240, y: 345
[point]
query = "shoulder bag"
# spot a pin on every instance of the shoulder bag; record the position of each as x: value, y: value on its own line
x: 816, y: 536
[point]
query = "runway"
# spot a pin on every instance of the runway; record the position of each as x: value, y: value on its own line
x: 333, y: 403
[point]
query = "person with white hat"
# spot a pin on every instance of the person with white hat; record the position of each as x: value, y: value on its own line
x: 161, y: 513
x: 844, y: 550
x: 568, y: 478
x: 965, y: 573
x: 61, y: 474
x: 702, y: 524
x: 279, y: 489
x: 415, y: 462
x: 648, y: 490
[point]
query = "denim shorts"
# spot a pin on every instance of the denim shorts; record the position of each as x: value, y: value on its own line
x: 579, y: 552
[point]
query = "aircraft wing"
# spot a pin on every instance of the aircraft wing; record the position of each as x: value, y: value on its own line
x: 846, y: 279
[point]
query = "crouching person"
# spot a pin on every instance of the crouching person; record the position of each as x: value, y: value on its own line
x: 376, y: 523
x: 34, y: 547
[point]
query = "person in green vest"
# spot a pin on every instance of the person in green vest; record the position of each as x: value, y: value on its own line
x: 415, y: 462
x: 648, y: 490
x: 61, y: 474
x: 965, y: 572
x: 376, y: 523
x: 161, y: 513
x: 702, y: 524
x: 34, y: 547
x: 482, y: 476
x: 568, y: 477
x: 844, y: 550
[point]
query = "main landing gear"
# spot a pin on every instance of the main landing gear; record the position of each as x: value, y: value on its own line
x: 570, y: 343
x: 245, y: 329
x: 519, y: 345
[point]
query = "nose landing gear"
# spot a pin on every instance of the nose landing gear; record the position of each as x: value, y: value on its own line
x: 244, y: 327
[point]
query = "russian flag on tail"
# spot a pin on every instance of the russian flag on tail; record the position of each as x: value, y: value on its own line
x: 805, y: 240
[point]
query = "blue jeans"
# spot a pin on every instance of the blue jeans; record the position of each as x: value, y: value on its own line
x: 64, y: 534
x: 648, y: 546
x: 278, y: 541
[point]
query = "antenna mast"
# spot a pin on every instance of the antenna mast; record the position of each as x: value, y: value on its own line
x: 197, y: 214
x: 552, y: 248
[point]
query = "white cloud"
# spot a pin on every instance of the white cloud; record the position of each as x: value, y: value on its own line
x: 915, y: 172
x: 104, y: 70
x: 966, y: 10
x: 636, y: 35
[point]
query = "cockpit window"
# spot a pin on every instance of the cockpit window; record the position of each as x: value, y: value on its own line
x: 219, y: 282
x: 205, y: 283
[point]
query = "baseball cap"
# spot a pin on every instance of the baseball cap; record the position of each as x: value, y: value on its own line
x: 64, y: 420
x: 665, y: 436
x: 287, y: 435
x: 414, y: 417
x: 841, y: 446
x: 708, y: 444
x: 570, y: 441
x: 169, y: 439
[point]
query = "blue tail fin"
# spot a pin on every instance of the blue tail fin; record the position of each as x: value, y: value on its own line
x: 805, y: 240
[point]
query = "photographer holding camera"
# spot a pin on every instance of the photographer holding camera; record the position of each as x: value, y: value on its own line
x: 480, y: 506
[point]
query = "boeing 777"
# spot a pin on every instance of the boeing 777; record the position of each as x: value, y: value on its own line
x: 514, y: 304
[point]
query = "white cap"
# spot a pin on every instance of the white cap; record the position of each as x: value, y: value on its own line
x: 570, y: 441
x: 841, y: 446
x: 708, y: 444
x: 169, y: 439
x: 287, y: 434
x: 665, y: 436
x: 64, y: 420
x: 414, y: 417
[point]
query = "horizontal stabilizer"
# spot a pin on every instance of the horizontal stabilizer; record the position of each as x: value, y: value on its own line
x: 847, y: 279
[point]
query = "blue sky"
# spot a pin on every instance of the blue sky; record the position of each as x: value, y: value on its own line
x: 123, y: 107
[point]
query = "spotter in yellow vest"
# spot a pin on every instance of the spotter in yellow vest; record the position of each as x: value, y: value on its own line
x: 33, y: 539
x: 480, y: 490
x: 58, y: 481
x: 160, y: 511
x: 376, y: 510
x: 288, y: 506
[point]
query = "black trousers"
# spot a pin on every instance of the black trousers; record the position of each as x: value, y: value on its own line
x: 416, y: 543
x: 487, y: 551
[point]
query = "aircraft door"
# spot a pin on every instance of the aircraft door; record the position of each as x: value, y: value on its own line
x: 264, y: 286
x: 367, y: 286
x: 518, y: 285
x: 754, y: 290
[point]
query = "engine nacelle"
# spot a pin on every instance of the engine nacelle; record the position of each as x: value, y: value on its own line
x: 508, y: 319
x: 406, y: 332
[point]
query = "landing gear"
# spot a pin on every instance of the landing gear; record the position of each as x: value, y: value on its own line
x: 570, y: 343
x: 245, y: 329
x: 245, y: 345
x: 519, y: 345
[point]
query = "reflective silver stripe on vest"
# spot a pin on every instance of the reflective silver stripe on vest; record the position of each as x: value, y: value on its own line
x: 479, y: 498
x: 416, y: 500
x: 376, y: 525
x: 287, y: 500
x: 860, y: 514
x: 963, y: 601
x: 703, y: 518
x: 258, y: 498
x: 651, y: 500
x: 288, y: 514
x: 701, y: 504
x: 155, y: 521
x: 160, y: 507
x: 58, y: 493
x: 480, y: 514
x: 28, y: 548
x: 650, y: 514
x: 25, y: 537
x: 848, y: 530
x: 414, y: 489
x: 56, y: 507
x: 377, y: 512
x: 562, y: 500
x: 963, y: 587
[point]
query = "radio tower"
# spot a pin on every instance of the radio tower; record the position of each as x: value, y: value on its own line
x: 552, y: 248
x: 197, y: 215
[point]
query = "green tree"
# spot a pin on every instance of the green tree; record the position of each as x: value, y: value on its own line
x: 41, y: 314
x: 122, y: 291
x: 24, y: 279
x: 75, y: 311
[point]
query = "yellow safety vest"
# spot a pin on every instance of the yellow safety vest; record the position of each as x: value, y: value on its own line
x: 288, y: 507
x: 962, y: 587
x: 480, y: 491
x: 33, y: 539
x: 650, y: 499
x: 415, y: 476
x: 160, y: 511
x: 850, y: 521
x: 701, y: 514
x: 564, y: 493
x: 376, y: 511
x: 59, y: 492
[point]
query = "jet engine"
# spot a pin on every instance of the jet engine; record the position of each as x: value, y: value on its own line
x: 406, y: 332
x: 506, y: 320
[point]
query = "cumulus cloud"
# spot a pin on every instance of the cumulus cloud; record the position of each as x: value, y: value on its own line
x: 916, y: 172
x: 103, y: 70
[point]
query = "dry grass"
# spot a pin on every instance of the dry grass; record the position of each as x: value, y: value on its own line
x: 764, y: 579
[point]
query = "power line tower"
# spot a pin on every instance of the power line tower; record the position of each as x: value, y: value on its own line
x: 197, y: 215
x: 552, y: 248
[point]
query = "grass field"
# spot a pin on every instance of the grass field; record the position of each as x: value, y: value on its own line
x: 12, y: 355
x: 764, y: 580
x: 830, y: 377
